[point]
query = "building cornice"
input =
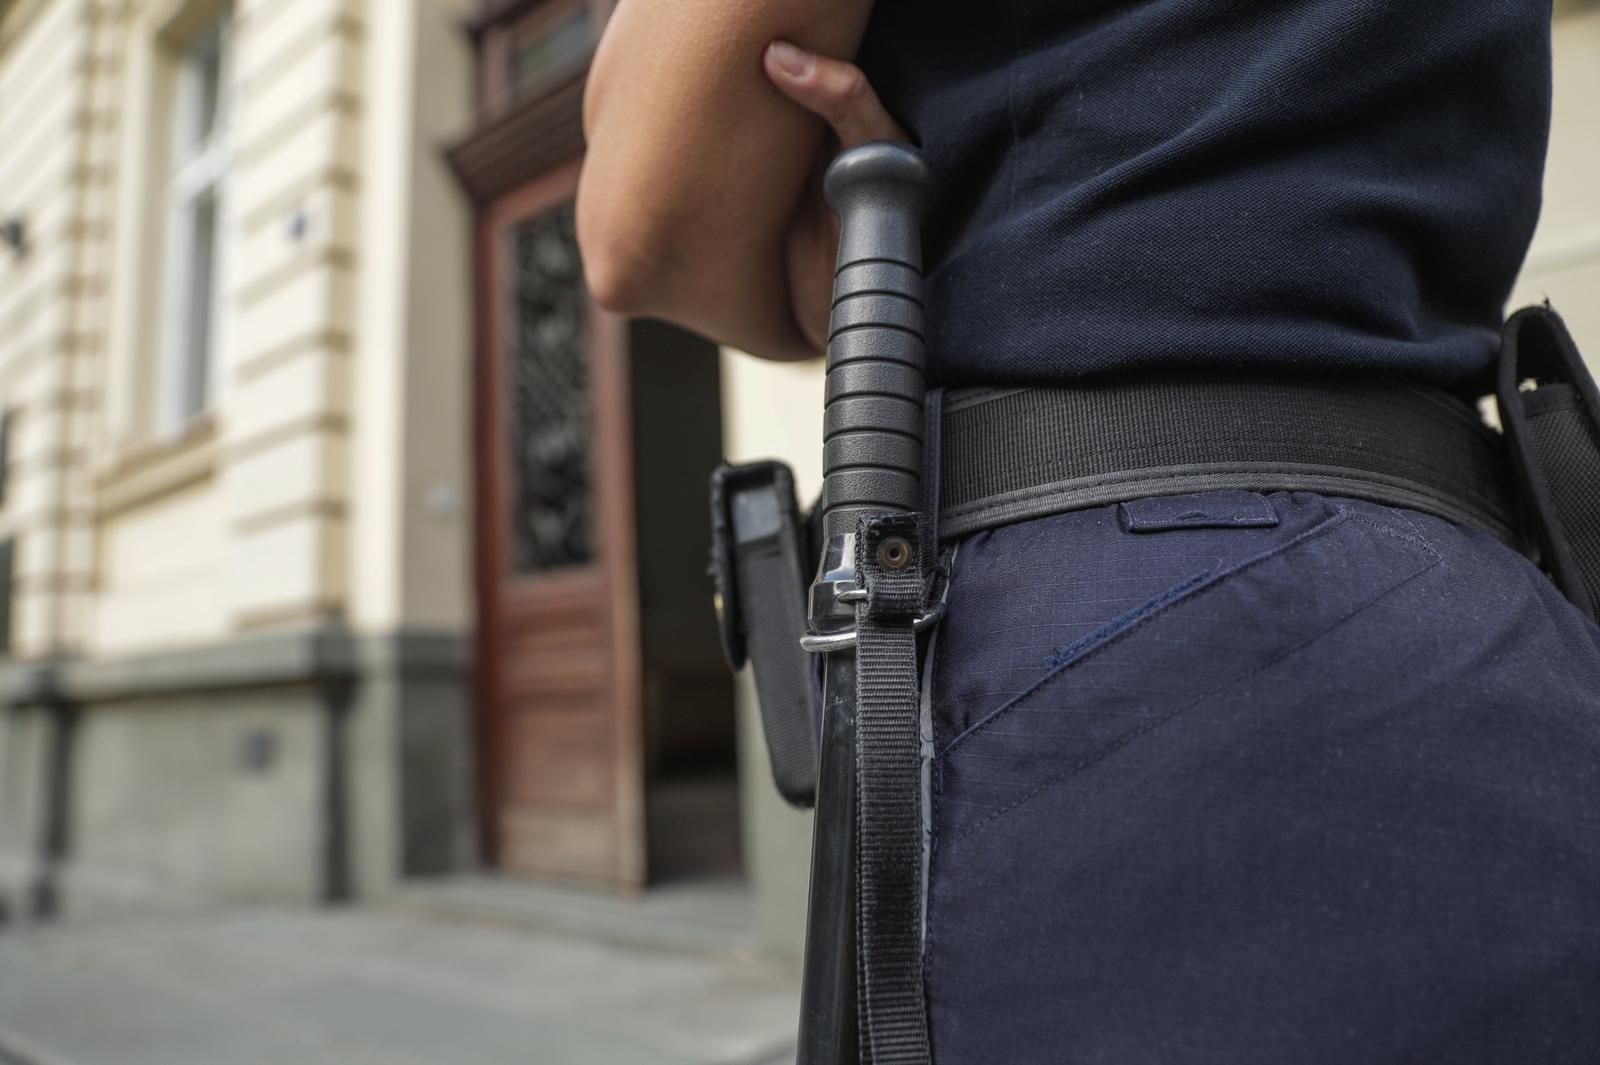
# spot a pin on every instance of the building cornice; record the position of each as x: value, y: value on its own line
x: 317, y: 655
x: 532, y: 138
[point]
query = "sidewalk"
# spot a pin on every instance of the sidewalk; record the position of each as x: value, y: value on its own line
x: 395, y: 986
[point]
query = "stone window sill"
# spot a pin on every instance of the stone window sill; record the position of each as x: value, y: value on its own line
x: 150, y: 472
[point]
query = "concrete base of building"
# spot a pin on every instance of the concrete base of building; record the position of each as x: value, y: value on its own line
x: 298, y: 767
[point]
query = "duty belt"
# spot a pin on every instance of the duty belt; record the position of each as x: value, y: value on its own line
x: 1009, y: 455
x: 1005, y: 455
x: 907, y: 469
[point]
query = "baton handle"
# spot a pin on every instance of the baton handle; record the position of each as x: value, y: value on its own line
x: 872, y: 420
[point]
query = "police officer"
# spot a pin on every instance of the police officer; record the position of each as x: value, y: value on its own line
x: 1223, y: 775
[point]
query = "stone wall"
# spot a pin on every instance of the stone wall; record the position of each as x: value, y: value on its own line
x: 246, y: 771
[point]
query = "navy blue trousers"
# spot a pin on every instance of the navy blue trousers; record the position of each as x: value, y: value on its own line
x: 1284, y: 779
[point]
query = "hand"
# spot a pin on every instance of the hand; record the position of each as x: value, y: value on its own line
x: 838, y: 92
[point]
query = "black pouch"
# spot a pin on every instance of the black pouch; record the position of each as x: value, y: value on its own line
x: 758, y: 542
x: 1553, y: 432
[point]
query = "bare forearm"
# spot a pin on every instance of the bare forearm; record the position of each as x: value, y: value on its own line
x: 696, y: 163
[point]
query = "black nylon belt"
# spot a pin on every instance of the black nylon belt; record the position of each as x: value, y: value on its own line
x: 1014, y: 454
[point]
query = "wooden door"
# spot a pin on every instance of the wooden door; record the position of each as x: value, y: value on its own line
x: 560, y: 752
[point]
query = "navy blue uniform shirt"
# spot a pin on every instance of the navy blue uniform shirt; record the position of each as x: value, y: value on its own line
x: 1309, y: 185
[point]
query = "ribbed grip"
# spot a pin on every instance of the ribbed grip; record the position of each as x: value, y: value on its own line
x: 873, y: 425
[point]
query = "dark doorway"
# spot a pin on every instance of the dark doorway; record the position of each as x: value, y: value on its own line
x: 691, y: 790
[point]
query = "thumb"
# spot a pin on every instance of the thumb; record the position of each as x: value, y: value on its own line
x: 835, y: 90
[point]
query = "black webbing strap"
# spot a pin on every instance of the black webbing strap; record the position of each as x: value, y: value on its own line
x: 1550, y: 411
x: 1014, y: 454
x: 893, y: 1010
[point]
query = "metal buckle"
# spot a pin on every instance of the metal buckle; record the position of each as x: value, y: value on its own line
x: 824, y: 642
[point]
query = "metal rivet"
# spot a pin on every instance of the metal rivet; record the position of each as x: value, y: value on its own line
x: 894, y: 553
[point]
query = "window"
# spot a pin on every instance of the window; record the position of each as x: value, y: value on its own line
x: 195, y: 180
x: 529, y: 50
x: 552, y: 48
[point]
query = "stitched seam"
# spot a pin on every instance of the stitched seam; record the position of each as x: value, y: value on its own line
x: 1021, y: 495
x: 1397, y: 512
x: 1352, y: 447
x: 1122, y: 627
x: 1264, y: 515
x: 1062, y: 655
x: 1144, y: 730
x: 1416, y: 540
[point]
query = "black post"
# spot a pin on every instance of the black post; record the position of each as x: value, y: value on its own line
x: 872, y: 464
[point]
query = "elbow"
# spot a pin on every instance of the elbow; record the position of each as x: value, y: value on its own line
x: 612, y: 281
x: 615, y: 261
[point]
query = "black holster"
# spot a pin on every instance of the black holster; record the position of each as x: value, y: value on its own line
x: 759, y: 561
x: 1550, y: 414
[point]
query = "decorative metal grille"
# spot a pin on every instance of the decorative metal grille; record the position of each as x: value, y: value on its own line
x: 549, y: 401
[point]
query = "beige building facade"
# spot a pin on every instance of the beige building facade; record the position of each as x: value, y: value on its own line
x: 237, y: 449
x: 349, y: 540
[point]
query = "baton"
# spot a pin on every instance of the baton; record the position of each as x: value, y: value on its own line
x: 873, y: 448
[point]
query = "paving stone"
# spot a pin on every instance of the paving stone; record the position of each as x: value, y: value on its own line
x: 377, y: 987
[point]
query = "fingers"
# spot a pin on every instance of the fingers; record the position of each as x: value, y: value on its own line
x: 833, y: 89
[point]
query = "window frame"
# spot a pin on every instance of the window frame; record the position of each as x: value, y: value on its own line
x: 193, y: 180
x: 503, y: 36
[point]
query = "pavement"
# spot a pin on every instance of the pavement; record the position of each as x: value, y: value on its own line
x: 439, y: 978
